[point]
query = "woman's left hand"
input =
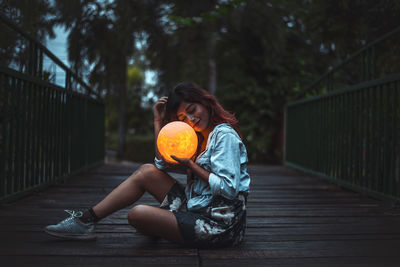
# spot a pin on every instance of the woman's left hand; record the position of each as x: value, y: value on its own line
x: 193, y: 167
x: 184, y: 161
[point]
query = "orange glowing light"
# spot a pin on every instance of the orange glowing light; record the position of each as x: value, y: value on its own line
x: 178, y: 139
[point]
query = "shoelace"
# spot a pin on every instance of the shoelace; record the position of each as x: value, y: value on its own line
x: 75, y: 214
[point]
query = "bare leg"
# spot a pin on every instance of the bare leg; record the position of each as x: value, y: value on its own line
x: 155, y: 222
x: 147, y: 219
x: 146, y: 178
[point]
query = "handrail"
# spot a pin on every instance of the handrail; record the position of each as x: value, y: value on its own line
x: 69, y: 73
x: 48, y: 130
x: 333, y: 69
x: 345, y: 127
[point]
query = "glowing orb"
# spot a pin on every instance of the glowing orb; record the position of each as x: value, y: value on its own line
x: 178, y: 139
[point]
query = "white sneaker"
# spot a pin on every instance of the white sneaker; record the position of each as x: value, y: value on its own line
x: 72, y: 228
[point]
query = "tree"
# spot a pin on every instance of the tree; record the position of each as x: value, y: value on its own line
x: 250, y: 38
x: 102, y: 33
x: 35, y: 18
x: 265, y: 51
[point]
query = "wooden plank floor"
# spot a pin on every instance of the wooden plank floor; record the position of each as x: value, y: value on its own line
x: 293, y: 220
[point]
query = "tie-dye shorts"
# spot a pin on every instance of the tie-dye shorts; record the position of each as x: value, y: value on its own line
x: 222, y: 223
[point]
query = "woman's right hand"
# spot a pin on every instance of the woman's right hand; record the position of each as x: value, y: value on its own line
x: 159, y: 109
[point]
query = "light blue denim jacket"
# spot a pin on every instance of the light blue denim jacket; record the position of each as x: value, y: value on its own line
x: 225, y: 157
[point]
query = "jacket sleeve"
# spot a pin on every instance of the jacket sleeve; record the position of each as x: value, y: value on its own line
x: 160, y: 164
x: 224, y: 177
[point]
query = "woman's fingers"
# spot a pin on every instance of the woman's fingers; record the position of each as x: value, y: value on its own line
x: 183, y: 161
x: 161, y: 102
x: 159, y: 106
x: 175, y: 158
x: 179, y: 160
x: 163, y: 99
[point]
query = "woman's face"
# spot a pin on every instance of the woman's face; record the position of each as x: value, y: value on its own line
x: 194, y: 114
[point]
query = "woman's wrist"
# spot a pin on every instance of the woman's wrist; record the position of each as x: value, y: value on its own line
x: 191, y: 164
x: 199, y: 171
x: 157, y: 126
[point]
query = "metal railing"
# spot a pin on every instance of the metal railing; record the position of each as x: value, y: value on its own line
x: 47, y: 132
x: 376, y: 60
x: 350, y: 134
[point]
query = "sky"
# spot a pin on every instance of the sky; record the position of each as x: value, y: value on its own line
x: 58, y: 46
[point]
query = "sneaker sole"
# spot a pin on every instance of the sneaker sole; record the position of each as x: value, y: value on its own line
x: 71, y: 237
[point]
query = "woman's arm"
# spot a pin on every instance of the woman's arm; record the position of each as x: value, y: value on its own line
x: 157, y: 128
x: 226, y: 163
x: 226, y: 160
x: 225, y: 166
x: 194, y: 167
x: 159, y: 113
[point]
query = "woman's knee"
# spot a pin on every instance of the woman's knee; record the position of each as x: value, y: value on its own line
x: 148, y: 168
x: 137, y: 215
x: 153, y: 221
x: 144, y: 171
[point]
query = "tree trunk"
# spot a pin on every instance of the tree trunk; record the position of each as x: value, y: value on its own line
x: 212, y: 66
x: 212, y: 76
x: 276, y: 150
x: 121, y: 84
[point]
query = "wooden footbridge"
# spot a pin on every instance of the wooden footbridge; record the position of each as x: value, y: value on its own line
x: 293, y: 220
x: 335, y: 202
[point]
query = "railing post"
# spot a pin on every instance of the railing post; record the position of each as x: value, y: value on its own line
x: 4, y: 123
x: 373, y: 55
x: 396, y: 149
x: 284, y: 133
x: 85, y: 100
x: 30, y: 68
x: 40, y: 68
x: 10, y: 175
x: 368, y: 75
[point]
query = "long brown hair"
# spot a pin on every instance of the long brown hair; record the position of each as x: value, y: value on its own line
x: 193, y: 93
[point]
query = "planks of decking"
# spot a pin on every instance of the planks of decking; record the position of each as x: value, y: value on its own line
x: 293, y: 220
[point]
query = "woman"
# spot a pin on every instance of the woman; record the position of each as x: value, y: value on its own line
x: 211, y: 209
